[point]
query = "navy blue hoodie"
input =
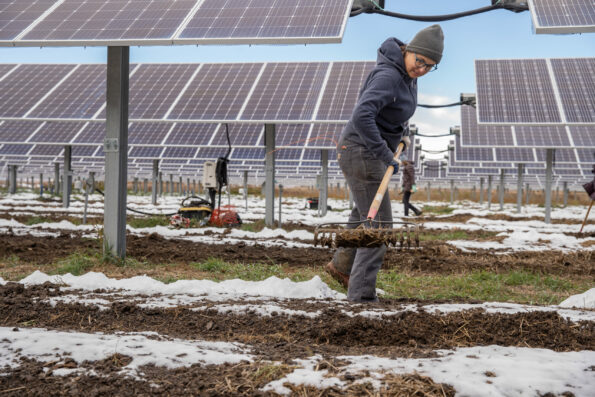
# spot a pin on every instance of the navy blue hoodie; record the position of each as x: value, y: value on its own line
x: 386, y: 102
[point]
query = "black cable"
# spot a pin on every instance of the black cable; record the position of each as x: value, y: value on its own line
x: 434, y: 151
x: 433, y: 136
x: 447, y: 17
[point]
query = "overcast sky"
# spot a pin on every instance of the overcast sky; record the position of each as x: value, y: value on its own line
x: 496, y: 34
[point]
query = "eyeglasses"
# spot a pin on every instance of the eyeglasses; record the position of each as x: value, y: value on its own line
x: 419, y: 63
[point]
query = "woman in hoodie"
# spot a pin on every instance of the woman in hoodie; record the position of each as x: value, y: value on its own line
x: 367, y: 144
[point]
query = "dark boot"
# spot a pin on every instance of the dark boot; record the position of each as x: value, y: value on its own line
x: 341, y: 277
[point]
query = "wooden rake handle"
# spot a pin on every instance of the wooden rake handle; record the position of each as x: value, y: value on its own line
x: 386, y: 179
x: 586, y: 216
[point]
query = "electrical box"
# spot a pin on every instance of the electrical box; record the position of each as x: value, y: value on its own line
x: 209, y: 174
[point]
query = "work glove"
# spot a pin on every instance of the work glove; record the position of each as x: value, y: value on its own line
x: 396, y: 165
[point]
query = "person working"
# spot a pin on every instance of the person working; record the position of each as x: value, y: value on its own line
x: 367, y: 144
x: 408, y: 184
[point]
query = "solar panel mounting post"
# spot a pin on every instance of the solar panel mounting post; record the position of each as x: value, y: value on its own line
x: 519, y: 188
x: 155, y: 181
x: 116, y: 148
x: 549, y: 161
x: 489, y: 198
x: 501, y: 190
x: 56, y: 178
x: 67, y: 176
x: 480, y: 191
x: 322, y: 203
x: 12, y: 179
x: 565, y: 194
x: 269, y: 187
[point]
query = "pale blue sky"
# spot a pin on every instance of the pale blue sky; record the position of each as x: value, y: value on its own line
x: 496, y: 34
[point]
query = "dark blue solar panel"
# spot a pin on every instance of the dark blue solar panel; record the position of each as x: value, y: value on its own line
x: 5, y: 68
x: 112, y: 20
x: 172, y: 162
x: 92, y: 133
x: 154, y: 88
x: 518, y: 155
x: 289, y: 92
x: 583, y: 136
x: 57, y: 132
x: 15, y: 149
x: 473, y: 134
x: 471, y: 153
x: 574, y: 15
x: 217, y: 92
x: 191, y: 134
x: 288, y: 154
x: 314, y: 154
x: 146, y: 152
x: 267, y: 19
x: 515, y: 91
x: 211, y: 153
x: 560, y: 155
x: 180, y: 152
x: 291, y: 134
x: 576, y: 84
x: 79, y: 96
x: 83, y: 151
x: 325, y: 135
x: 20, y: 91
x: 542, y: 136
x: 46, y: 150
x: 17, y: 131
x: 147, y: 133
x: 342, y: 89
x: 252, y: 153
x: 17, y: 15
x: 239, y: 134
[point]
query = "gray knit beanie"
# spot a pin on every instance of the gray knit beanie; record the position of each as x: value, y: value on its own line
x: 428, y: 42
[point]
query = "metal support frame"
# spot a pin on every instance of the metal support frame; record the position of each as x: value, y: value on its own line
x: 155, y: 186
x: 145, y: 186
x: 519, y: 188
x: 67, y: 177
x: 180, y: 186
x: 429, y: 193
x: 116, y: 148
x: 135, y: 185
x: 269, y: 188
x: 41, y: 184
x: 565, y: 188
x: 56, y: 178
x: 549, y: 165
x: 12, y: 179
x: 246, y: 188
x: 489, y: 198
x: 481, y: 191
x: 527, y: 193
x: 322, y: 203
x: 160, y: 184
x: 280, y: 201
x: 501, y: 190
x: 170, y: 186
x: 452, y: 191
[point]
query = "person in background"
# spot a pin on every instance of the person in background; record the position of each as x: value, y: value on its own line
x: 408, y: 184
x: 368, y: 142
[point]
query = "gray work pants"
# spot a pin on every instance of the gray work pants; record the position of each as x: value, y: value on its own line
x: 363, y: 173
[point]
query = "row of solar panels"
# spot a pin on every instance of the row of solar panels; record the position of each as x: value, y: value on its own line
x: 302, y: 91
x: 165, y: 22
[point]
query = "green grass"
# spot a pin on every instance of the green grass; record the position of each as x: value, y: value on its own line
x: 220, y: 270
x: 150, y: 221
x: 439, y: 210
x: 256, y: 226
x: 76, y: 264
x: 513, y: 286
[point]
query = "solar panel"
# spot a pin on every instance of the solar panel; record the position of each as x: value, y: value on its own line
x: 17, y: 15
x: 515, y: 91
x: 343, y: 85
x: 147, y: 133
x: 17, y: 131
x: 548, y: 136
x: 516, y: 155
x: 80, y: 96
x: 24, y: 87
x: 314, y: 155
x: 563, y: 16
x: 57, y: 132
x: 252, y: 153
x: 583, y: 136
x: 191, y: 134
x: 91, y: 133
x: 289, y: 92
x: 473, y: 134
x: 471, y: 153
x: 179, y: 152
x: 5, y: 68
x: 288, y: 154
x: 46, y: 150
x: 145, y: 151
x: 291, y: 135
x: 576, y: 84
x: 15, y: 149
x: 83, y: 151
x: 325, y: 136
x: 267, y: 19
x: 217, y: 92
x: 560, y: 155
x: 239, y: 135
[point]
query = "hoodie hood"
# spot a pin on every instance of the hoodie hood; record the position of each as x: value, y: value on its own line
x: 390, y: 54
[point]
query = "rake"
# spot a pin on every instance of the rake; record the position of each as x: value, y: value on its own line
x: 369, y: 232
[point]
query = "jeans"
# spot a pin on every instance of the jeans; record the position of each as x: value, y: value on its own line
x: 363, y: 173
x: 406, y: 196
